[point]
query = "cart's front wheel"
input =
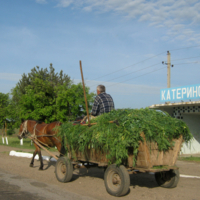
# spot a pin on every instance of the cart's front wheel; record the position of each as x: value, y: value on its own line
x: 167, y: 179
x: 117, y: 180
x: 64, y: 169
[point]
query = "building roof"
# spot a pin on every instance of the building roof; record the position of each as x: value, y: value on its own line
x: 169, y: 104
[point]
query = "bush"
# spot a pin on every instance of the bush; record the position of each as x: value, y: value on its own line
x: 11, y: 131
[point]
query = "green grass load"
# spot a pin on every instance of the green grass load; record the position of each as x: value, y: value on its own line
x: 116, y: 138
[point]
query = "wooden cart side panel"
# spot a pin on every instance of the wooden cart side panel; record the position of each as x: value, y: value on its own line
x: 94, y: 155
x: 156, y: 156
x: 176, y: 149
x: 165, y: 158
x: 149, y: 154
x: 143, y: 157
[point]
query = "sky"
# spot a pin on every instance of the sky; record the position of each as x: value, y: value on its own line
x: 121, y: 44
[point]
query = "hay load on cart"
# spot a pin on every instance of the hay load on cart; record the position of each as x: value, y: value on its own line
x: 123, y: 142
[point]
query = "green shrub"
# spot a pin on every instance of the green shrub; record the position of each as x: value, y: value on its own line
x: 11, y: 131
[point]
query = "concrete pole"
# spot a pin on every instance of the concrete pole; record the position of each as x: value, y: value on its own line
x: 168, y: 69
x: 2, y: 135
x: 6, y: 133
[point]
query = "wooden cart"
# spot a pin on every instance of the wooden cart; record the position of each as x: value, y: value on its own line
x: 116, y: 178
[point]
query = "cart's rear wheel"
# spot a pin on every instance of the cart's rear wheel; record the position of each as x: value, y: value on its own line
x: 64, y: 169
x: 167, y: 179
x: 117, y: 180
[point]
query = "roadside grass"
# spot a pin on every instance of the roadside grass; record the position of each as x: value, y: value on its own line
x: 190, y: 159
x: 5, y: 152
x: 13, y: 141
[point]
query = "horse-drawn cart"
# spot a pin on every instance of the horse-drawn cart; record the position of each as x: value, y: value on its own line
x: 116, y: 178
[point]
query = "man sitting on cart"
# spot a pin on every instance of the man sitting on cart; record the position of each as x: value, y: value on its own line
x: 103, y: 102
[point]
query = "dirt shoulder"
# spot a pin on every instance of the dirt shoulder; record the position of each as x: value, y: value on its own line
x: 91, y: 183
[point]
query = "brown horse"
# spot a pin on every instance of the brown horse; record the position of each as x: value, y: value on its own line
x: 44, y: 134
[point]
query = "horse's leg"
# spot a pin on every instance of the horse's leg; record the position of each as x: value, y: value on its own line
x: 40, y: 157
x: 32, y: 161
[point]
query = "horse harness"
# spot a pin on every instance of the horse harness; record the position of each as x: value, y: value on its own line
x: 34, y: 136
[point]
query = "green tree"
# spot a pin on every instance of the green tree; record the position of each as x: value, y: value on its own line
x: 4, y: 102
x: 48, y: 96
x: 38, y: 102
x: 70, y: 101
x: 50, y: 76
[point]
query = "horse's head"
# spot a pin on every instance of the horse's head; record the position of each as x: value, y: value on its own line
x: 23, y: 130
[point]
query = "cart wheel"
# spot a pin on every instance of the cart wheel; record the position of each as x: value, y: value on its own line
x: 64, y: 169
x: 117, y: 180
x: 167, y: 179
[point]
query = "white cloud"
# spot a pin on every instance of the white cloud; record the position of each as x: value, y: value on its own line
x: 64, y: 3
x: 188, y: 32
x: 10, y: 77
x: 177, y: 27
x: 176, y: 15
x: 180, y: 37
x: 41, y: 1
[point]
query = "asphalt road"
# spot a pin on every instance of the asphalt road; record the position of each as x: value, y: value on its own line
x: 14, y: 187
x: 19, y: 181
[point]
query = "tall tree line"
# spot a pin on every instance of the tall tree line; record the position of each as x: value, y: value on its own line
x: 44, y: 95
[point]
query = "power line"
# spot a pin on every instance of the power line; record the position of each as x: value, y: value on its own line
x: 127, y: 66
x: 184, y: 48
x: 144, y: 74
x: 185, y: 63
x: 146, y: 60
x: 137, y: 77
x: 132, y: 72
x: 186, y: 58
x: 141, y: 62
x: 147, y: 73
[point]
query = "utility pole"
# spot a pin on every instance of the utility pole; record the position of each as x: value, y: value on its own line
x: 168, y: 69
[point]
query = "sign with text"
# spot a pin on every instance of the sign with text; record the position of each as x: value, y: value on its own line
x: 180, y: 93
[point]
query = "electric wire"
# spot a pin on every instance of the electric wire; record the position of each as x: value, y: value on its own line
x: 146, y: 67
x: 185, y: 58
x: 126, y: 67
x: 147, y: 73
x: 135, y: 77
x: 185, y: 48
x: 134, y: 72
x: 143, y: 61
x: 186, y: 63
x: 131, y: 72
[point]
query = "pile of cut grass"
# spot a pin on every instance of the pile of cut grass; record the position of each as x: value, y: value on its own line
x: 116, y: 138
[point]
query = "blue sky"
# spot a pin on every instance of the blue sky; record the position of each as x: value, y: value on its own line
x: 121, y: 44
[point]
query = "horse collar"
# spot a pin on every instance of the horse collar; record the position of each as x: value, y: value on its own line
x: 34, y: 130
x: 25, y: 127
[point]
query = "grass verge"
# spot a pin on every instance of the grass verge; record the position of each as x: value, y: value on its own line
x: 15, y: 142
x: 191, y: 159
